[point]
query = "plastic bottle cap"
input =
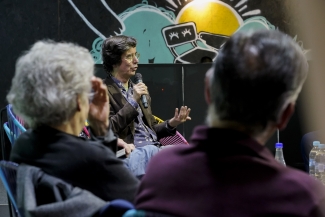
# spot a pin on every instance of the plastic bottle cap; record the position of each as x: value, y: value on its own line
x: 316, y: 143
x: 278, y: 145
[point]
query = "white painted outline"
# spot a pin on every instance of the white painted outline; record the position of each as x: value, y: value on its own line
x: 153, y: 10
x: 115, y: 15
x: 91, y: 26
x: 257, y: 20
x: 252, y: 13
x: 86, y: 21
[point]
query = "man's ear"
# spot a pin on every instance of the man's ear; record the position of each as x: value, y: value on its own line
x: 207, y: 90
x: 286, y: 115
x: 207, y: 94
x: 78, y: 103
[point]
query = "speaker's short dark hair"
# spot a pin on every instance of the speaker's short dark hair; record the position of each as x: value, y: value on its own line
x: 113, y: 48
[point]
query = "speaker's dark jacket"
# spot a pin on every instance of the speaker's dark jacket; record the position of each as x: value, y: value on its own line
x: 123, y: 114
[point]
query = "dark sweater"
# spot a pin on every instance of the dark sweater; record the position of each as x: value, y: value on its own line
x: 226, y: 173
x: 88, y: 164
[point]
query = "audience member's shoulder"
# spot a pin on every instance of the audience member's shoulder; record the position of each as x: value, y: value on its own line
x: 21, y: 145
x: 173, y: 153
x: 175, y: 149
x: 301, y: 180
x: 97, y: 146
x: 24, y: 139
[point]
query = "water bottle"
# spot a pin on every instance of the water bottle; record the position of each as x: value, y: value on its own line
x: 312, y: 156
x: 279, y: 153
x: 320, y: 164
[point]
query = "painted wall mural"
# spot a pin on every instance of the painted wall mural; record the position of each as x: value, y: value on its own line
x: 176, y: 31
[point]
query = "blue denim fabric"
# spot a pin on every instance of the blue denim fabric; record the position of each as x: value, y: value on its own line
x: 138, y: 160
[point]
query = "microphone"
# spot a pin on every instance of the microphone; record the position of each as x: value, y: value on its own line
x: 138, y: 79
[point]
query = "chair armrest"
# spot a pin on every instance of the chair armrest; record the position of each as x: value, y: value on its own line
x: 120, y: 153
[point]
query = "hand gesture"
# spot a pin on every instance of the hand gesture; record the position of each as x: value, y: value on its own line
x: 128, y: 147
x: 99, y: 107
x: 180, y: 117
x: 138, y: 90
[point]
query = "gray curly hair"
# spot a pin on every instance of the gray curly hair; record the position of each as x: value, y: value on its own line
x: 255, y: 76
x: 47, y: 80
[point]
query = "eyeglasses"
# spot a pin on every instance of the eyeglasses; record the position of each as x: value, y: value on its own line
x: 130, y: 57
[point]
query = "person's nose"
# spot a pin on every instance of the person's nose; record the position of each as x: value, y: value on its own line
x: 135, y: 59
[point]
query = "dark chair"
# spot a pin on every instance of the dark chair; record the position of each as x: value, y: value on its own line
x: 306, y: 144
x: 8, y: 174
x: 43, y: 195
x: 66, y: 196
x: 5, y: 142
x: 178, y: 139
x: 5, y: 145
x: 15, y: 124
x: 116, y: 208
x: 8, y: 131
x: 143, y: 213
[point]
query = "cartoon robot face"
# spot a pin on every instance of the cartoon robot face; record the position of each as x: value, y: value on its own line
x: 177, y: 35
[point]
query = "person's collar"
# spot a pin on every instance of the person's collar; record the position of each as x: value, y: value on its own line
x: 210, y: 138
x: 122, y: 79
x: 260, y: 134
x: 119, y: 83
x: 257, y: 133
x: 44, y: 129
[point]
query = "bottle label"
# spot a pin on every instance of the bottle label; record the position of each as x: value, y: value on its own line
x: 320, y: 167
x: 311, y: 162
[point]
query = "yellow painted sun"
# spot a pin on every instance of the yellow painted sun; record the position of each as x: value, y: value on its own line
x: 211, y: 16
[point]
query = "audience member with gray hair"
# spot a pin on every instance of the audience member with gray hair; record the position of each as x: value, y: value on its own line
x: 251, y: 91
x: 54, y: 90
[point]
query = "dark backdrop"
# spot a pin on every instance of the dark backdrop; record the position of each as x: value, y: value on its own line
x: 174, y: 85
